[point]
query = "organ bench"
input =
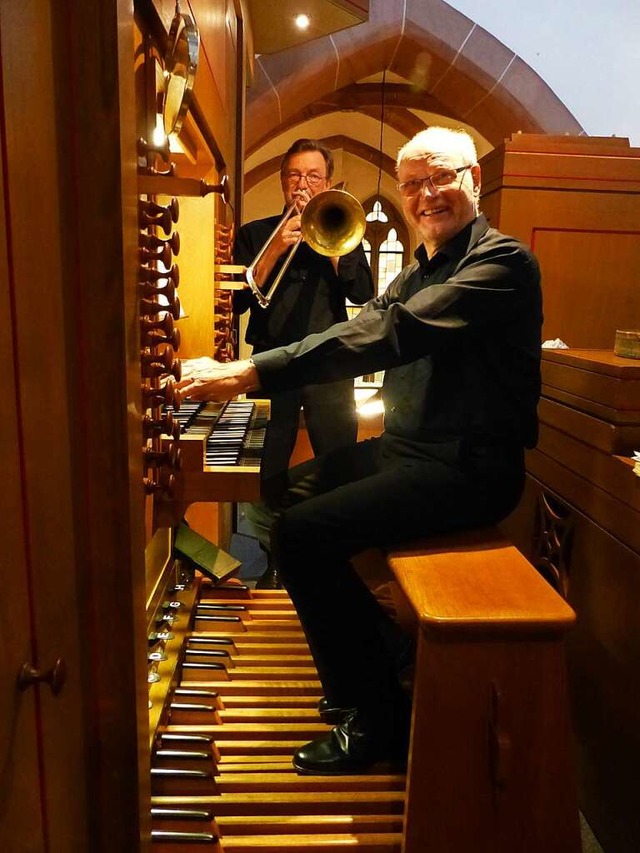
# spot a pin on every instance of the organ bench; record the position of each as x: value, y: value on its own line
x: 490, y: 765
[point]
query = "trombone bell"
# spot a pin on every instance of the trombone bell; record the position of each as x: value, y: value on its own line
x: 333, y: 223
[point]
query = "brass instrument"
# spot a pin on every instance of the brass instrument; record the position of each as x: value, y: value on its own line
x: 332, y: 223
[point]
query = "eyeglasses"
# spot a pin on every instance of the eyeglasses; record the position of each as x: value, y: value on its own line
x: 313, y: 178
x: 437, y: 181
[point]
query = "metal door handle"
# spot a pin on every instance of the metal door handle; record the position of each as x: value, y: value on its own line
x: 54, y: 677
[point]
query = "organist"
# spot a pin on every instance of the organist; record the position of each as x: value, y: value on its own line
x: 458, y: 333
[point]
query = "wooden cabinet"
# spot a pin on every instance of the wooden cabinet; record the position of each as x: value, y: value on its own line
x: 579, y: 522
x: 576, y: 202
x: 72, y: 501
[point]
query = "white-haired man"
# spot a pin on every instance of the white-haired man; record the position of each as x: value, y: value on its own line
x: 458, y: 333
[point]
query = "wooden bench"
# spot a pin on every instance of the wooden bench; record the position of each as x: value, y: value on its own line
x: 490, y: 767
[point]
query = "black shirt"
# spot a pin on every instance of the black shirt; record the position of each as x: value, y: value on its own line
x: 310, y: 297
x: 458, y: 334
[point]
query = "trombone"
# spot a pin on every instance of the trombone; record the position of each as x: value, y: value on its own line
x: 332, y: 223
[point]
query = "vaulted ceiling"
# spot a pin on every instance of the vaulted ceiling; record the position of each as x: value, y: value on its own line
x: 367, y: 88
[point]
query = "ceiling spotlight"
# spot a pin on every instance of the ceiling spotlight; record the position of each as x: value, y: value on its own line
x: 302, y: 22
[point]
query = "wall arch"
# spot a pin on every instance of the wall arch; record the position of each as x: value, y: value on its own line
x: 449, y: 66
x: 347, y: 144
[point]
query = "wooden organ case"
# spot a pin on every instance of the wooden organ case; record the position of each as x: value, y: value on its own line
x: 576, y: 202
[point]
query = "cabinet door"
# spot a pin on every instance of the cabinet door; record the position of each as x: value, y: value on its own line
x: 57, y: 752
x: 41, y: 741
x: 20, y: 790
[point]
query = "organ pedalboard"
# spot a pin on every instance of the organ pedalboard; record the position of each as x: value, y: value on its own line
x: 242, y: 696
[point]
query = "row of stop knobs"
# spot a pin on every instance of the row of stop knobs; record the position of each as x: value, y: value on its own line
x: 224, y: 343
x: 158, y: 278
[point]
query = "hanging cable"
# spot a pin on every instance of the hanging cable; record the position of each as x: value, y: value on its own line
x: 383, y: 93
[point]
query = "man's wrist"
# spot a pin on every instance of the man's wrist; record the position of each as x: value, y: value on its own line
x: 251, y: 376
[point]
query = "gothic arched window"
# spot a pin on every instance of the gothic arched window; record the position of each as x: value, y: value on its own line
x: 386, y: 241
x: 386, y: 245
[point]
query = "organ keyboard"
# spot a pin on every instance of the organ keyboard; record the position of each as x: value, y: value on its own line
x: 245, y: 698
x: 220, y: 447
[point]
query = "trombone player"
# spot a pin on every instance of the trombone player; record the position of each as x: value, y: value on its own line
x: 310, y: 297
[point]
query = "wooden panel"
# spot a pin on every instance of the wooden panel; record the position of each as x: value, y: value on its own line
x: 21, y: 804
x: 44, y: 528
x: 603, y: 654
x: 573, y: 303
x: 196, y: 228
x: 99, y: 244
x: 599, y: 361
x: 212, y: 520
x: 72, y: 275
x: 610, y: 437
x: 533, y: 808
x: 604, y: 507
x: 577, y: 204
x: 585, y: 383
x: 217, y: 88
x: 616, y: 417
x: 563, y: 161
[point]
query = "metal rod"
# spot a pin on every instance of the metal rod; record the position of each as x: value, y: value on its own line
x: 264, y: 299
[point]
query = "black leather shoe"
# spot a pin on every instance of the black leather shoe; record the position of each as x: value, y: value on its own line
x: 332, y: 714
x: 352, y: 747
x: 269, y: 579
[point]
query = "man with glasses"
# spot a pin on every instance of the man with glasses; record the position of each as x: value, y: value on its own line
x: 459, y: 335
x: 310, y: 298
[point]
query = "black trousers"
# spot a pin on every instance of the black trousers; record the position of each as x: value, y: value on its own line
x: 375, y: 495
x: 330, y: 418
